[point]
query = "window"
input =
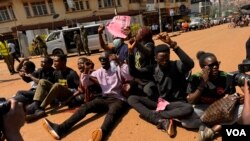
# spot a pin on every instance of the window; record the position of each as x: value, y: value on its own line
x: 27, y: 10
x: 108, y: 3
x: 118, y: 3
x: 134, y: 1
x: 39, y: 8
x: 79, y: 5
x: 12, y: 12
x: 51, y: 7
x: 87, y: 4
x: 4, y: 15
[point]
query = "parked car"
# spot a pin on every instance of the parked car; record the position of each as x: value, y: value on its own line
x: 61, y: 41
x: 196, y: 23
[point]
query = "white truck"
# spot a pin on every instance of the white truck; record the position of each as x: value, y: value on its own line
x: 61, y: 41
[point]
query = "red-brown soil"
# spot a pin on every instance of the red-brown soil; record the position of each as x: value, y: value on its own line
x: 227, y: 44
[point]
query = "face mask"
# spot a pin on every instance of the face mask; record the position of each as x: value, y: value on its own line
x: 113, y: 66
x: 117, y: 42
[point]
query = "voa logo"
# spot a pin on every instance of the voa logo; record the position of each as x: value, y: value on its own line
x: 236, y: 132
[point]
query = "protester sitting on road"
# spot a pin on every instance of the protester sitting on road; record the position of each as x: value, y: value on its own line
x: 28, y: 67
x: 20, y: 65
x: 12, y: 121
x: 205, y: 88
x: 112, y: 101
x: 170, y: 79
x: 86, y: 91
x: 66, y: 83
x: 118, y: 47
x: 45, y: 72
x: 144, y: 57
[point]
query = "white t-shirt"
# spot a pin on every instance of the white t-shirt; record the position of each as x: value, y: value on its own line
x: 12, y: 48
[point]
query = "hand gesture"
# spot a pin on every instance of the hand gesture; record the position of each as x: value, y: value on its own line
x: 88, y: 66
x: 164, y: 37
x: 14, y: 120
x: 131, y: 45
x: 205, y: 73
x: 101, y: 28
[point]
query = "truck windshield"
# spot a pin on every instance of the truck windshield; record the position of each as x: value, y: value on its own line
x: 53, y: 36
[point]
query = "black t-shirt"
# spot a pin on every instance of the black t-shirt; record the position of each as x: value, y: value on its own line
x: 68, y: 78
x: 213, y: 91
x: 42, y: 74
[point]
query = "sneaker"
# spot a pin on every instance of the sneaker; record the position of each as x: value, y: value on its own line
x: 96, y: 135
x: 52, y: 128
x: 166, y: 125
x: 205, y: 133
x: 39, y: 113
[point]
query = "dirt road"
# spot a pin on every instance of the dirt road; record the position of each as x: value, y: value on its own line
x: 227, y: 44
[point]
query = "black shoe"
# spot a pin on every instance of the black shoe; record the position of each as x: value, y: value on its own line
x: 163, y: 124
x: 31, y: 108
x: 52, y: 128
x: 37, y: 115
x: 167, y: 125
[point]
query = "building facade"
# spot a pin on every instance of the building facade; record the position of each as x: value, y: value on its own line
x: 32, y: 17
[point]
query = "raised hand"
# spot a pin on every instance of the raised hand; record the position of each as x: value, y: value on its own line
x: 101, y: 28
x: 131, y: 45
x: 205, y: 73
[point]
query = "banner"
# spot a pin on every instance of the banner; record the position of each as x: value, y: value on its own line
x: 117, y: 27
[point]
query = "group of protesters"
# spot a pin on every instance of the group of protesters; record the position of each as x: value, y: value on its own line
x: 134, y: 73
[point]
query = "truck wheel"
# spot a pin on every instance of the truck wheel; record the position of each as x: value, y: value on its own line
x: 58, y: 52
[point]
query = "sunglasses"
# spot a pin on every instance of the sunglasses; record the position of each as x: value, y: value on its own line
x: 103, y: 59
x: 217, y: 63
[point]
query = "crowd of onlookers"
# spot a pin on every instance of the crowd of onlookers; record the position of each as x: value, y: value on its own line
x: 134, y: 73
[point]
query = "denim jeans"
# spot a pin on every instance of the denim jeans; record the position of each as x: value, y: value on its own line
x: 24, y: 96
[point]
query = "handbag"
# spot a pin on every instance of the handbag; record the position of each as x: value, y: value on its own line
x: 220, y: 111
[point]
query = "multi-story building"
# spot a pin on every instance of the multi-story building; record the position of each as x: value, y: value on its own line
x: 31, y: 17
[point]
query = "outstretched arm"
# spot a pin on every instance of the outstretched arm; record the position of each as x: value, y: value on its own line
x: 102, y: 43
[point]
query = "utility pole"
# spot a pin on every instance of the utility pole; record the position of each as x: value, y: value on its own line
x: 114, y: 3
x: 205, y: 9
x: 159, y: 12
